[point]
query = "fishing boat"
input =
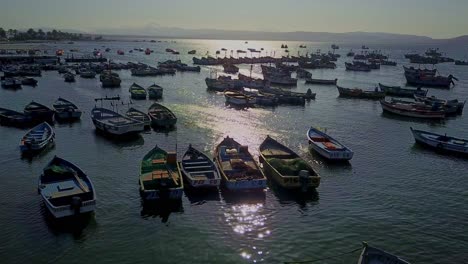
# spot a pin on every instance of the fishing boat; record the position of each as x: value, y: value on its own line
x: 327, y: 146
x: 160, y: 177
x: 29, y: 81
x: 281, y: 80
x: 11, y: 83
x: 440, y: 142
x: 192, y: 52
x: 358, y: 93
x: 372, y: 255
x: 120, y: 52
x: 230, y: 68
x: 69, y: 77
x: 65, y: 189
x: 321, y: 81
x: 199, y: 170
x: 402, y: 92
x: 39, y: 112
x: 430, y: 80
x: 66, y: 110
x: 137, y: 92
x: 302, y: 73
x: 285, y: 167
x: 161, y: 116
x: 155, y: 91
x: 220, y: 84
x: 136, y: 114
x: 451, y: 106
x: 110, y: 79
x: 147, y: 51
x: 238, y: 99
x: 12, y: 118
x: 461, y: 63
x: 357, y: 67
x: 239, y: 170
x: 412, y: 110
x: 426, y: 72
x: 37, y: 138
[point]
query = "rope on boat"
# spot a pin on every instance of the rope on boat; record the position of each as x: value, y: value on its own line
x: 325, y: 258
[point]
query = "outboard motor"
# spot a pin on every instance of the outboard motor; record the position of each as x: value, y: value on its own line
x: 76, y: 204
x: 304, y: 180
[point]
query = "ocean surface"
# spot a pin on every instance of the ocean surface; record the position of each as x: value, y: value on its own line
x: 393, y: 194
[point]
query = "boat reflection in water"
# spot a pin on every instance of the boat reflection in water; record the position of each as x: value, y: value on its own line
x: 161, y: 209
x: 293, y: 196
x: 201, y: 196
x: 135, y: 140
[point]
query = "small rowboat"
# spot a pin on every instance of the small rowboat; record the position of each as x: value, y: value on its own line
x: 238, y: 99
x: 199, y: 170
x: 239, y: 170
x: 327, y: 146
x: 441, y: 142
x: 12, y: 118
x: 411, y: 110
x: 358, y: 93
x: 321, y: 81
x: 285, y: 167
x: 39, y: 112
x: 115, y: 124
x: 161, y: 116
x: 137, y: 92
x: 66, y: 110
x: 160, y: 176
x: 11, y: 83
x: 138, y: 115
x: 66, y: 190
x: 451, y: 106
x: 377, y: 256
x: 155, y: 92
x: 402, y: 92
x: 37, y: 138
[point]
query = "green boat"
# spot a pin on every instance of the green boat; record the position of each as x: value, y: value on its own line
x: 137, y: 92
x: 155, y: 92
x: 160, y: 176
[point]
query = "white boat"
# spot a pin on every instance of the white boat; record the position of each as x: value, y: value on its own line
x: 327, y: 146
x: 66, y: 110
x: 113, y: 123
x: 239, y: 170
x: 66, y: 190
x: 37, y: 138
x: 441, y: 142
x: 412, y: 110
x: 138, y: 115
x: 199, y: 170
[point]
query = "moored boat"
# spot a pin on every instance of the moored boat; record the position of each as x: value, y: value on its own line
x: 155, y: 91
x: 39, y: 112
x: 137, y: 92
x: 358, y: 93
x: 87, y: 74
x: 11, y: 83
x: 160, y: 177
x: 402, y: 92
x: 29, y: 81
x: 136, y: 114
x: 13, y: 118
x: 239, y: 170
x: 285, y: 167
x: 69, y: 77
x: 430, y: 80
x: 66, y: 190
x: 66, y: 110
x: 238, y: 99
x: 327, y: 146
x: 377, y: 256
x: 321, y: 81
x: 199, y: 170
x: 110, y: 79
x: 161, y: 116
x: 38, y: 138
x: 453, y: 106
x: 412, y: 110
x: 441, y: 142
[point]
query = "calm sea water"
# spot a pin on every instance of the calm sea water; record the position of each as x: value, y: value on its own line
x: 398, y: 196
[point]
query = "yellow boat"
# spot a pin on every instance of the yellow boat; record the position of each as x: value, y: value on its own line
x: 285, y: 167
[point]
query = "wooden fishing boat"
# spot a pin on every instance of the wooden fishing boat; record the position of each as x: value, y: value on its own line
x: 358, y: 93
x: 192, y: 52
x: 69, y: 77
x: 161, y: 116
x: 115, y: 124
x: 426, y: 72
x: 137, y: 92
x: 160, y: 177
x: 138, y: 115
x: 155, y: 91
x: 12, y: 118
x: 39, y: 112
x: 38, y: 138
x: 87, y: 74
x: 321, y: 81
x: 355, y: 67
x: 372, y: 255
x: 29, y: 81
x: 412, y: 110
x: 199, y: 170
x: 302, y: 73
x: 430, y: 80
x: 402, y: 92
x: 230, y: 68
x: 238, y: 99
x: 285, y: 167
x: 66, y: 190
x: 239, y: 170
x: 451, y: 106
x: 441, y: 142
x: 11, y: 83
x: 110, y: 79
x: 327, y: 146
x: 66, y: 110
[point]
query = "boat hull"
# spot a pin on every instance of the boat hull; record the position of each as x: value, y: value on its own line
x: 438, y: 145
x: 119, y: 131
x: 344, y: 154
x: 68, y: 115
x: 402, y: 112
x: 288, y: 182
x: 66, y: 210
x: 157, y: 195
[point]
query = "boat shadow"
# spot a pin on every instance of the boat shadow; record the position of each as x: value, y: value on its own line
x: 162, y: 209
x: 199, y: 197
x: 434, y: 122
x: 243, y: 197
x: 286, y: 196
x: 74, y: 225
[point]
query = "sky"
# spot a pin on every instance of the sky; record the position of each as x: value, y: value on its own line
x: 433, y: 18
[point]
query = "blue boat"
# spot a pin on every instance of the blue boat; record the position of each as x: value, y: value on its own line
x: 377, y: 256
x: 66, y: 189
x: 442, y: 143
x: 327, y: 146
x: 38, y: 138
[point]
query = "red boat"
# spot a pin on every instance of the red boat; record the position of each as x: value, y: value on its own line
x: 147, y: 51
x: 120, y: 52
x: 59, y: 52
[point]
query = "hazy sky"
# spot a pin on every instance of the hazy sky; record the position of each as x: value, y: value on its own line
x: 434, y: 18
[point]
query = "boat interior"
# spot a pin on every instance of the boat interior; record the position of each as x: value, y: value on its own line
x: 160, y: 171
x: 199, y: 167
x: 238, y: 164
x: 324, y: 142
